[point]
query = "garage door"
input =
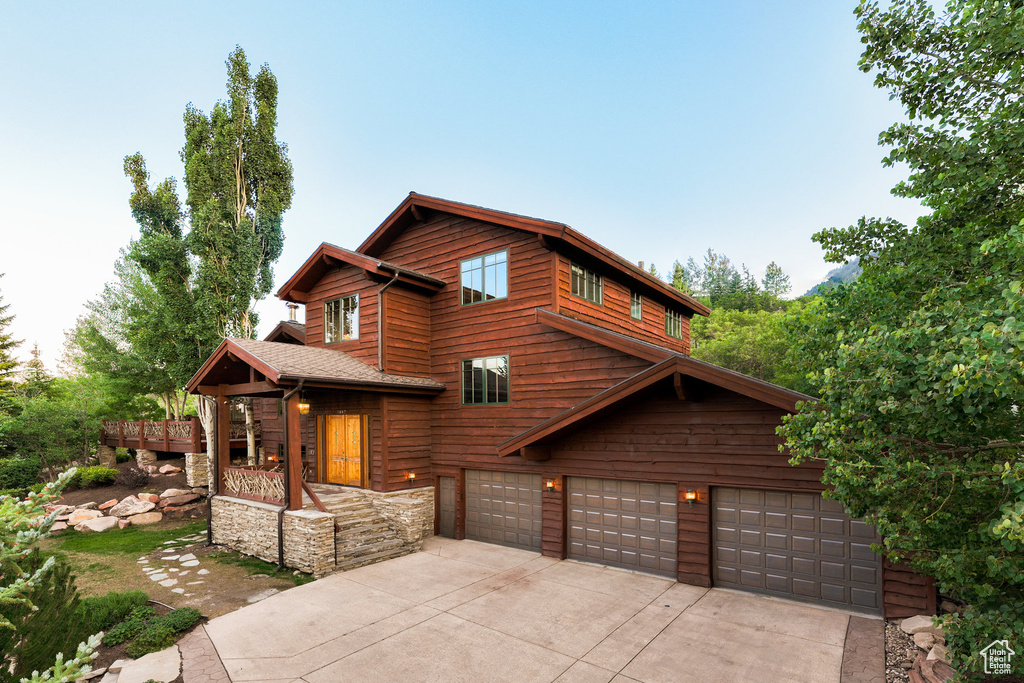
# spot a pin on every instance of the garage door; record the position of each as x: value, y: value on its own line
x: 628, y: 524
x: 504, y: 507
x: 796, y: 545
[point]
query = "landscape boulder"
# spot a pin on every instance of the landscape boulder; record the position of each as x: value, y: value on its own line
x: 171, y: 493
x: 91, y: 505
x: 124, y: 523
x: 109, y: 504
x: 151, y: 497
x: 179, y: 500
x: 79, y: 516
x: 145, y: 518
x: 59, y: 526
x: 169, y: 469
x: 97, y: 524
x: 920, y: 623
x: 131, y: 506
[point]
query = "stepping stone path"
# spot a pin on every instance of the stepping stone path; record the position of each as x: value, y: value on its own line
x: 169, y: 565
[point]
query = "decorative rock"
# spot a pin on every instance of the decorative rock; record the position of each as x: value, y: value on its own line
x: 123, y: 523
x: 158, y: 577
x: 169, y: 469
x: 201, y: 490
x: 79, y: 516
x: 131, y: 506
x: 203, y: 571
x: 118, y: 665
x: 939, y: 652
x: 59, y: 526
x: 63, y: 518
x: 97, y: 524
x: 167, y: 583
x: 59, y: 509
x: 190, y: 563
x: 178, y: 500
x: 925, y: 640
x: 151, y: 497
x: 186, y: 558
x: 87, y: 506
x: 179, y: 591
x: 918, y: 624
x: 145, y: 458
x: 107, y: 456
x: 109, y: 504
x: 936, y: 671
x: 148, y: 469
x: 146, y: 518
x: 948, y: 607
x: 156, y: 666
x: 171, y: 493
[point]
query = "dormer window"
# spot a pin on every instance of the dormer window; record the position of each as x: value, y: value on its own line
x: 485, y: 278
x: 586, y: 284
x: 674, y: 324
x: 636, y: 306
x: 341, y: 319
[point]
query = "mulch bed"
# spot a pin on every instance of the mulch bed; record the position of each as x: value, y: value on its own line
x: 157, y: 483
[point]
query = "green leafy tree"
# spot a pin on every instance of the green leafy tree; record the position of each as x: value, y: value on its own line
x: 210, y: 263
x: 775, y: 281
x: 8, y: 363
x: 920, y: 363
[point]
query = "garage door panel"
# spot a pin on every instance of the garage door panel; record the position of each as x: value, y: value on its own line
x: 631, y: 524
x: 504, y: 508
x: 797, y: 545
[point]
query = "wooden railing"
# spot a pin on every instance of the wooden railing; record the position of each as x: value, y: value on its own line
x: 177, y: 436
x: 264, y: 483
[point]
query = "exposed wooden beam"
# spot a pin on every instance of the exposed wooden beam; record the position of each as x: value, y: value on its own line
x: 535, y: 453
x: 293, y: 453
x: 244, y: 389
x: 417, y: 213
x: 298, y: 297
x: 677, y: 382
x: 545, y: 242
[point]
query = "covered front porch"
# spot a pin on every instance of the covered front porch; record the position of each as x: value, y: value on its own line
x: 286, y: 510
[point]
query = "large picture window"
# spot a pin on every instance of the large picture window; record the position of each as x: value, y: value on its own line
x: 341, y: 319
x: 485, y: 278
x: 674, y: 324
x: 485, y: 380
x: 585, y: 283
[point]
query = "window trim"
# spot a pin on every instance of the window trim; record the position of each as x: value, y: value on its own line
x: 485, y: 402
x: 674, y: 317
x: 636, y: 301
x: 483, y: 278
x: 598, y: 283
x: 355, y: 316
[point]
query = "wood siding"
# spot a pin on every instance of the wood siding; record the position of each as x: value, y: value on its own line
x: 406, y: 332
x: 357, y: 403
x: 408, y: 441
x: 337, y: 283
x: 272, y: 433
x: 614, y: 311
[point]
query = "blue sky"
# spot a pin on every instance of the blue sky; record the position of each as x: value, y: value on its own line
x: 658, y: 129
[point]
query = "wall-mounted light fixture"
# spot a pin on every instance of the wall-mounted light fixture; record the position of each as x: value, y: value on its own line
x: 411, y: 477
x: 303, y: 404
x: 691, y: 496
x: 551, y: 486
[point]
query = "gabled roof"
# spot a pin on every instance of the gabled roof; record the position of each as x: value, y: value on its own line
x: 329, y: 256
x: 674, y: 367
x: 416, y: 207
x: 289, y: 363
x: 288, y: 330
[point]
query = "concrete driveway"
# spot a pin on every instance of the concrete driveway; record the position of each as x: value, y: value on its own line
x: 468, y: 611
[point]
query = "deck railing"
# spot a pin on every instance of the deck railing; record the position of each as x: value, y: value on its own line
x: 178, y: 436
x: 264, y: 483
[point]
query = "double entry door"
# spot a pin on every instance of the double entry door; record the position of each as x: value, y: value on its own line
x: 343, y: 449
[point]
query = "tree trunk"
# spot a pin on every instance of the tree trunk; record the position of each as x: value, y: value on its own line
x: 206, y: 407
x: 166, y: 399
x: 250, y: 431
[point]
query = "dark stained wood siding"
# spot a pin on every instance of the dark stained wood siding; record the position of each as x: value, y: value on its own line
x: 406, y: 332
x: 272, y: 433
x: 614, y: 311
x: 408, y: 438
x: 906, y: 593
x: 337, y: 283
x: 356, y: 403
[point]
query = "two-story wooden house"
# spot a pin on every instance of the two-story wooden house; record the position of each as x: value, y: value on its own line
x: 538, y: 390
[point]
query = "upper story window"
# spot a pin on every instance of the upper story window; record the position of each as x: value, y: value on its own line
x: 636, y: 306
x: 341, y: 319
x: 585, y: 283
x: 674, y: 324
x: 485, y: 380
x: 485, y: 278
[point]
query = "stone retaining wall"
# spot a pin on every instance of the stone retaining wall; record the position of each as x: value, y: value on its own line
x: 409, y: 512
x: 196, y: 470
x: 107, y: 456
x: 250, y: 527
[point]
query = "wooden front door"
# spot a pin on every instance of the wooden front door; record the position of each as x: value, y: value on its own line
x: 344, y: 449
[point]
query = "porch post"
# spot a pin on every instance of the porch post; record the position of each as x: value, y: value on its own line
x: 223, y: 439
x: 293, y: 452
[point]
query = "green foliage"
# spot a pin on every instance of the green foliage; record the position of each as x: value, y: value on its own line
x: 131, y: 627
x: 90, y: 477
x: 8, y: 363
x: 155, y: 637
x: 132, y: 477
x: 123, y: 457
x: 40, y: 633
x: 920, y: 363
x: 845, y: 273
x: 101, y: 613
x: 19, y: 473
x: 254, y: 565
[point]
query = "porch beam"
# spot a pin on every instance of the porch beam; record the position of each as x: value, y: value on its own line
x: 243, y: 389
x: 293, y: 452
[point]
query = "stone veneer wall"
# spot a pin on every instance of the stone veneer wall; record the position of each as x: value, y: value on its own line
x: 196, y: 470
x: 250, y: 527
x: 144, y: 456
x: 410, y: 512
x: 107, y: 456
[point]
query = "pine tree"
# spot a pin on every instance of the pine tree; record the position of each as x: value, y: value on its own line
x: 8, y: 363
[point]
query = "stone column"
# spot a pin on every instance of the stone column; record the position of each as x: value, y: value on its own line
x: 145, y: 457
x: 197, y: 472
x: 107, y: 456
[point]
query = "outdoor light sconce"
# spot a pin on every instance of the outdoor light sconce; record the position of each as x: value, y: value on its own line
x: 691, y: 496
x: 411, y: 477
x: 303, y: 404
x: 551, y: 485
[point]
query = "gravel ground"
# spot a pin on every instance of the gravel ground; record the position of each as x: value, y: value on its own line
x: 899, y: 650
